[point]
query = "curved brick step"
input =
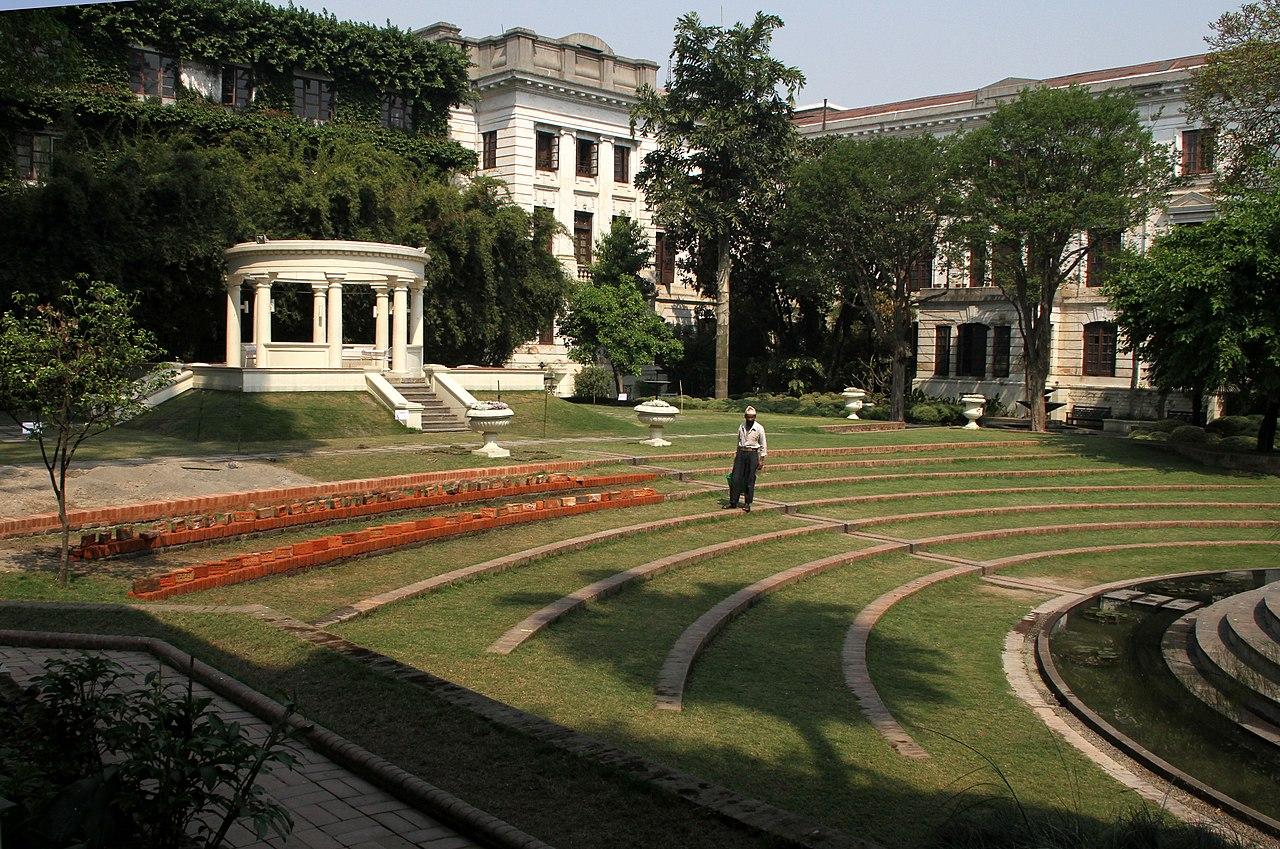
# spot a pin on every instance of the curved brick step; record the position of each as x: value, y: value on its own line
x: 1243, y: 632
x: 1037, y: 530
x: 1269, y: 615
x: 1046, y: 508
x: 1219, y: 663
x: 979, y: 473
x: 957, y: 493
x: 669, y: 688
x: 894, y: 461
x: 515, y: 560
x: 543, y: 618
x: 857, y: 675
x: 990, y: 566
x: 1180, y: 655
x: 842, y: 449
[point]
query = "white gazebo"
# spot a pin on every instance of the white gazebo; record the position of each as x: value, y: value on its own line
x: 393, y: 272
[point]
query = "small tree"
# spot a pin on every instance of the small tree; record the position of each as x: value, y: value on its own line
x: 1235, y: 94
x: 75, y: 367
x: 1199, y: 307
x: 616, y: 323
x: 1051, y: 165
x: 891, y: 193
x: 724, y: 140
x: 622, y: 255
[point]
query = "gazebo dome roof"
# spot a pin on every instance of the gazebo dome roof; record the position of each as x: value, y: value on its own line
x: 313, y: 260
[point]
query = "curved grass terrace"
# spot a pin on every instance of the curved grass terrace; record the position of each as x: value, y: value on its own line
x: 766, y: 710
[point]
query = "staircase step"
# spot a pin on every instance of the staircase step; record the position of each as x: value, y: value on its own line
x: 1242, y: 631
x: 1216, y: 659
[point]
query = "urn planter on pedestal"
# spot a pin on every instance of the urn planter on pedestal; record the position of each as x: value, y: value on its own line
x: 488, y: 419
x: 972, y: 411
x: 855, y: 402
x: 657, y: 414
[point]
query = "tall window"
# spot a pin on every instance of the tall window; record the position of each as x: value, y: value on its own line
x: 978, y: 264
x: 920, y: 275
x: 547, y: 335
x: 1002, y: 335
x: 547, y: 152
x: 397, y: 111
x: 153, y: 75
x: 1102, y: 245
x: 971, y: 359
x: 489, y: 149
x: 1197, y: 152
x: 1100, y: 349
x: 588, y: 158
x: 664, y: 261
x: 237, y: 86
x: 621, y: 163
x: 582, y: 241
x: 32, y: 154
x: 942, y: 350
x: 313, y: 98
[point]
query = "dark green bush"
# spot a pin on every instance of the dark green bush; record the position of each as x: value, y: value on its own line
x: 1163, y: 425
x: 934, y: 413
x: 1235, y: 426
x: 1189, y: 435
x: 1239, y: 444
x: 594, y: 382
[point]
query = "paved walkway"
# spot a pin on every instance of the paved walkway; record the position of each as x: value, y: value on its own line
x: 331, y: 807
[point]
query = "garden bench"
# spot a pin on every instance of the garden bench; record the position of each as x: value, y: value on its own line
x: 1082, y: 416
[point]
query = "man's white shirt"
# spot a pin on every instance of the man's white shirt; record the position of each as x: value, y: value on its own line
x: 753, y: 437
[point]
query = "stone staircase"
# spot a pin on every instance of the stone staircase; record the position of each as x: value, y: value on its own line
x: 1228, y: 655
x: 436, y: 417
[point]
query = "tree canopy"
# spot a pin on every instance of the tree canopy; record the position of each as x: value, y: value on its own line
x: 1051, y: 165
x: 724, y: 142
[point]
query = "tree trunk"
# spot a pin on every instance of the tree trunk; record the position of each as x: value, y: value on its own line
x: 1197, y: 404
x: 64, y: 555
x: 724, y: 264
x: 1267, y: 432
x: 901, y: 356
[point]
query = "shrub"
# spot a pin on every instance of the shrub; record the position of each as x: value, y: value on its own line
x: 1164, y: 425
x: 1234, y: 426
x: 934, y: 412
x: 1149, y: 435
x: 1238, y: 444
x: 594, y: 382
x: 1189, y: 435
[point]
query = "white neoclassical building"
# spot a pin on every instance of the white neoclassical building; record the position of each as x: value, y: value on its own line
x: 967, y: 338
x: 552, y: 120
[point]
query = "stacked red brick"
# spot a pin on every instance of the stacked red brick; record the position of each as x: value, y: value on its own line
x: 329, y: 549
x: 221, y: 525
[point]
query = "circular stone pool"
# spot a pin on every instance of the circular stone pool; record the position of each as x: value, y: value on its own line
x: 1118, y: 652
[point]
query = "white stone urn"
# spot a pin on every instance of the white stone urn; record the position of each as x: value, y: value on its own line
x: 657, y: 414
x: 855, y: 403
x: 489, y: 422
x: 972, y: 411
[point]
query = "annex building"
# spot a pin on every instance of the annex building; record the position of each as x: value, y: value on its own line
x: 552, y: 120
x: 967, y: 338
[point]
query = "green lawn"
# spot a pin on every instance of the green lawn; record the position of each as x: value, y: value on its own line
x: 767, y: 712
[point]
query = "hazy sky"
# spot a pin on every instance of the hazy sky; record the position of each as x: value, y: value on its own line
x: 855, y: 53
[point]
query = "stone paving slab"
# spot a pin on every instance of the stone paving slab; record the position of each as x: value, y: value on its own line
x: 319, y: 795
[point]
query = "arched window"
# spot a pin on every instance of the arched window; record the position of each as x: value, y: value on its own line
x: 1100, y: 349
x: 972, y: 359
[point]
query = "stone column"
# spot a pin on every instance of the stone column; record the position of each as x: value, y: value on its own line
x: 604, y: 177
x: 566, y: 203
x: 262, y: 316
x: 233, y: 322
x: 317, y: 311
x: 380, y: 317
x: 416, y: 288
x: 334, y: 328
x: 399, y: 323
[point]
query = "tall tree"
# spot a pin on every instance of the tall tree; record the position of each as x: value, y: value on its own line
x: 1236, y: 93
x: 724, y: 138
x: 1049, y: 166
x: 891, y: 193
x: 74, y: 368
x: 1200, y: 306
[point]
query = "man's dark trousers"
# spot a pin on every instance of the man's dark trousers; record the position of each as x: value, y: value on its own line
x: 744, y: 475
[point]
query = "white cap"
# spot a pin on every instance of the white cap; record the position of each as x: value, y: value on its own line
x: 750, y: 411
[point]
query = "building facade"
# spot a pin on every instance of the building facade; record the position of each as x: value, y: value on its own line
x: 552, y: 120
x: 967, y: 336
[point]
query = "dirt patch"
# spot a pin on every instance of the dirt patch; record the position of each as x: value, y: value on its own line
x: 25, y: 490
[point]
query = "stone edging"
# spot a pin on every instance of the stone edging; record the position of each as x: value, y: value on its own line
x: 1063, y: 693
x: 535, y: 622
x: 669, y: 688
x: 1003, y: 533
x: 894, y: 461
x: 639, y: 460
x: 440, y: 804
x: 980, y: 473
x: 1013, y: 490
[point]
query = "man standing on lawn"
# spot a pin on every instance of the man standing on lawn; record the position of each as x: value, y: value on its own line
x: 752, y: 450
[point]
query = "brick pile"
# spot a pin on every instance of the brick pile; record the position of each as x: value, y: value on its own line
x: 210, y: 526
x: 331, y: 549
